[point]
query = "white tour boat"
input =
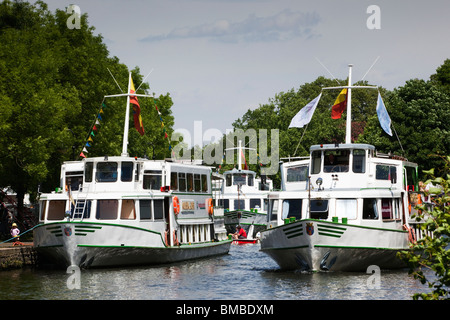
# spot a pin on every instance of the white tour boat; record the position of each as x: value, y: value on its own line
x: 243, y: 197
x: 121, y: 210
x: 344, y: 209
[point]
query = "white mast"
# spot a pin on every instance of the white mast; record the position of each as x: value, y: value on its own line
x: 127, y: 114
x: 348, y: 129
x: 127, y: 120
x: 349, y: 87
x: 240, y: 149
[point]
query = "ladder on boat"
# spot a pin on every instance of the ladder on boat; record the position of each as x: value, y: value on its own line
x: 79, y: 205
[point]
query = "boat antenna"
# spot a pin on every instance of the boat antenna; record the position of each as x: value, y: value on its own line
x: 115, y: 80
x: 370, y: 68
x: 327, y: 70
x: 144, y: 80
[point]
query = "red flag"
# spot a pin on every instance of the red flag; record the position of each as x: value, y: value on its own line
x: 82, y: 154
x: 136, y: 111
x: 339, y: 105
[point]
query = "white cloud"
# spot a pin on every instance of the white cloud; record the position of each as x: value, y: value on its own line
x: 284, y: 25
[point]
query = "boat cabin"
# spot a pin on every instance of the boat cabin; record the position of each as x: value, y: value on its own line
x: 136, y: 192
x: 345, y: 181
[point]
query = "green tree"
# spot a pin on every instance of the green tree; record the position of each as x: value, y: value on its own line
x: 52, y: 83
x: 433, y: 251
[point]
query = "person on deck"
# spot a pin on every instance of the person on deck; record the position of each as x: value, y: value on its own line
x: 240, y: 233
x: 15, y: 234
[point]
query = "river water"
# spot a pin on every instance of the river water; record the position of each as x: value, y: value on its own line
x: 243, y: 274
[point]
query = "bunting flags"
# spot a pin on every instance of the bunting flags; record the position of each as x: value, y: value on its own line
x: 339, y: 105
x: 91, y: 134
x: 383, y: 116
x: 304, y: 116
x: 136, y: 111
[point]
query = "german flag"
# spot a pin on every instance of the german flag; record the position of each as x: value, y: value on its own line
x: 339, y: 105
x: 136, y: 111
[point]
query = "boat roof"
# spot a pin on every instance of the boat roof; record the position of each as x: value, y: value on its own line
x: 342, y: 146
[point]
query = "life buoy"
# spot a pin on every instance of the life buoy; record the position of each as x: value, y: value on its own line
x: 209, y: 206
x: 176, y: 205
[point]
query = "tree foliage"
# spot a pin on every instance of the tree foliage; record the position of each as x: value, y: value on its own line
x: 53, y: 80
x: 432, y: 253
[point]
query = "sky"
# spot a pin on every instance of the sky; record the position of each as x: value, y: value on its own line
x: 219, y: 58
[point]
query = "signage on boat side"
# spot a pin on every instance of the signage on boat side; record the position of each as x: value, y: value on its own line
x: 187, y: 206
x: 310, y: 228
x: 68, y: 231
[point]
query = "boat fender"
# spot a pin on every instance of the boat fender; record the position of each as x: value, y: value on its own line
x: 176, y: 205
x: 209, y: 206
x: 411, y: 234
x: 175, y: 238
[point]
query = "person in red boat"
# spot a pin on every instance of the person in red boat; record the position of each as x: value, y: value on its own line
x: 240, y: 233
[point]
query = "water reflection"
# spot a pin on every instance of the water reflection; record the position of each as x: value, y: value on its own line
x: 245, y: 273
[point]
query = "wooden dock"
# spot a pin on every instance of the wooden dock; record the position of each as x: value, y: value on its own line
x: 18, y: 256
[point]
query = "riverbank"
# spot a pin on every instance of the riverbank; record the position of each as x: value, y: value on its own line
x: 13, y: 257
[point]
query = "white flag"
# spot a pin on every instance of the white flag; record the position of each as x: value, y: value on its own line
x: 383, y: 116
x: 305, y: 114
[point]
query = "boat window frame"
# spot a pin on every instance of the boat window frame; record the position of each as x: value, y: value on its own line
x: 289, y: 211
x: 126, y: 173
x: 106, y: 171
x: 363, y: 160
x: 319, y: 214
x: 112, y: 214
x: 299, y: 173
x: 149, y: 178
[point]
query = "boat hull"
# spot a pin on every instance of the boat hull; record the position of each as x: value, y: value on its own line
x: 315, y: 245
x: 65, y: 244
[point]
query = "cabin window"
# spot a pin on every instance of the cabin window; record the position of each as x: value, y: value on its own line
x: 370, y: 210
x: 255, y: 204
x: 42, y: 208
x: 228, y: 180
x: 225, y: 203
x: 315, y: 161
x: 88, y: 170
x: 359, y: 161
x: 250, y: 180
x: 182, y: 181
x: 173, y: 181
x: 296, y: 174
x: 137, y: 171
x: 128, y: 211
x: 239, y: 179
x: 239, y: 204
x: 346, y: 208
x: 158, y: 205
x: 411, y: 179
x: 197, y: 183
x: 126, y: 172
x: 107, y: 209
x: 106, y: 172
x: 384, y: 172
x: 273, y: 210
x: 386, y: 209
x: 204, y: 183
x: 292, y: 208
x: 74, y: 179
x: 152, y: 179
x: 336, y: 161
x: 190, y: 182
x: 319, y: 209
x: 56, y: 209
x: 145, y: 209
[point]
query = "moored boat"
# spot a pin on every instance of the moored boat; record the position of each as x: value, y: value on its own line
x: 350, y: 211
x: 243, y: 197
x: 121, y: 210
